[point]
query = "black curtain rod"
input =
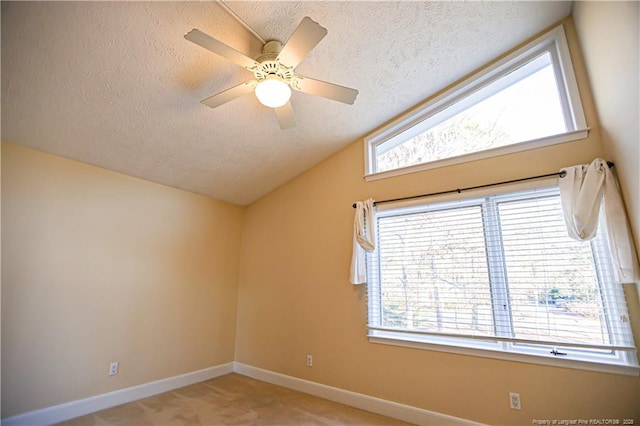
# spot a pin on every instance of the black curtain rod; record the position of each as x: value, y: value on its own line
x: 459, y: 190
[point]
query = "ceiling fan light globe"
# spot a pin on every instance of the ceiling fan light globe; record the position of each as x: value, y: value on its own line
x: 273, y: 92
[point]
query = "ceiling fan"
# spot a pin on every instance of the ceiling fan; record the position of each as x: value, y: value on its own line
x: 273, y: 71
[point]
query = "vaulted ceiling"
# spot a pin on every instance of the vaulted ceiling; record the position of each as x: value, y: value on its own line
x: 115, y: 84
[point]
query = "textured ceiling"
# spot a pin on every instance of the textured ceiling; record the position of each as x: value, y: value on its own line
x: 116, y: 85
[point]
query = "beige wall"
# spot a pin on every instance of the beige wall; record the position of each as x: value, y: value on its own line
x: 295, y: 297
x: 100, y: 267
x: 610, y: 39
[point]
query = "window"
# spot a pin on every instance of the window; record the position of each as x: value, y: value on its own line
x: 527, y: 100
x: 497, y: 273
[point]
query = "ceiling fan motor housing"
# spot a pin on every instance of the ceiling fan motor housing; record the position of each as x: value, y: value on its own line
x: 269, y: 66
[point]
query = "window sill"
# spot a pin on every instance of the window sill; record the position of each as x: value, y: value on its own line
x: 509, y: 149
x: 627, y: 370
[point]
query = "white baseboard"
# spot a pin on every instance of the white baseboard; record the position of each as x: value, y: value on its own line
x: 70, y: 410
x: 398, y: 411
x: 81, y: 407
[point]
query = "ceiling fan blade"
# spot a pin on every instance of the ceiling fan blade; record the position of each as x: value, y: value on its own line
x: 219, y: 48
x: 326, y: 90
x: 286, y: 117
x: 230, y: 94
x: 305, y: 37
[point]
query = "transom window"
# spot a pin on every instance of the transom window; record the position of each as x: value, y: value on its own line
x: 527, y: 100
x: 497, y: 273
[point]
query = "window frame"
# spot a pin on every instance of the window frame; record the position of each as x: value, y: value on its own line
x: 417, y: 121
x: 618, y: 362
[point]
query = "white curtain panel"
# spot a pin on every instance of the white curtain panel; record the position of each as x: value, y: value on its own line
x: 583, y: 190
x: 363, y: 240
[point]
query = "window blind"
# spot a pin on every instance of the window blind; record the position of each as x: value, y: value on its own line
x: 498, y: 268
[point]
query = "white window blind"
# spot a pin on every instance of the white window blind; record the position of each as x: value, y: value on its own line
x: 496, y: 269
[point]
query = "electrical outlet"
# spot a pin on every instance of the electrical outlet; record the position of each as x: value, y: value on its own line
x: 309, y: 361
x: 113, y: 369
x: 514, y: 401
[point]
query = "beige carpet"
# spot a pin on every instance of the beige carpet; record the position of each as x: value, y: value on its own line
x: 232, y: 400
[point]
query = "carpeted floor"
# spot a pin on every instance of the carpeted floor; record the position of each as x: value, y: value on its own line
x: 232, y: 400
